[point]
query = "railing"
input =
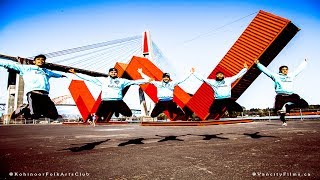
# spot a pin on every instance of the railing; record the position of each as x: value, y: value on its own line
x: 4, y: 120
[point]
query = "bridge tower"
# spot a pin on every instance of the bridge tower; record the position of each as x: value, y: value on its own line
x: 147, y: 53
x: 15, y: 92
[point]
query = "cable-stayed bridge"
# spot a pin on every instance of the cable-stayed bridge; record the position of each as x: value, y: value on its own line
x: 263, y: 39
x: 96, y: 59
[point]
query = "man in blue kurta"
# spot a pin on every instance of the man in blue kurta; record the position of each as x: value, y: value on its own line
x: 222, y: 91
x: 37, y: 87
x: 165, y: 89
x: 111, y: 95
x: 285, y: 99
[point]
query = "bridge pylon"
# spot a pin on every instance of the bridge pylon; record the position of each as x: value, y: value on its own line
x: 14, y: 96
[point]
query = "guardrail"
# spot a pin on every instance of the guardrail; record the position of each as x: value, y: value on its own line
x: 276, y: 117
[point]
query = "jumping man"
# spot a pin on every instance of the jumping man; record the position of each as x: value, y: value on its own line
x: 222, y: 91
x: 165, y: 94
x: 37, y: 86
x: 285, y: 99
x: 111, y: 95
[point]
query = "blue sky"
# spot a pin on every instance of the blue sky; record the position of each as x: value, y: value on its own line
x: 28, y: 28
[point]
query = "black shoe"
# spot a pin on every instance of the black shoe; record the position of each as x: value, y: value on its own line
x: 13, y: 115
x: 26, y: 113
x: 19, y: 111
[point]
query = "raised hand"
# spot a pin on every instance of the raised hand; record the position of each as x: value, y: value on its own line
x: 192, y: 70
x: 151, y: 79
x: 256, y: 61
x: 139, y: 70
x: 245, y: 65
x: 72, y: 71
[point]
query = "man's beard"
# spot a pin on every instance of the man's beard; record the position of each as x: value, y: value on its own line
x: 113, y: 77
x: 219, y: 79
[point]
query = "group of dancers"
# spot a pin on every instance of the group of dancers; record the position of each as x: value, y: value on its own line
x: 37, y: 87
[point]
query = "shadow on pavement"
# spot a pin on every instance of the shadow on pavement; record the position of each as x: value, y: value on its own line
x: 87, y: 146
x: 170, y: 138
x: 132, y: 141
x: 256, y: 135
x: 210, y: 136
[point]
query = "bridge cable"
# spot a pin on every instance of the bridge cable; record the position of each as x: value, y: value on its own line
x: 207, y: 33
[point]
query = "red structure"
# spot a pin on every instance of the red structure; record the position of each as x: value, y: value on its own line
x: 83, y: 98
x: 146, y: 44
x: 263, y: 39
